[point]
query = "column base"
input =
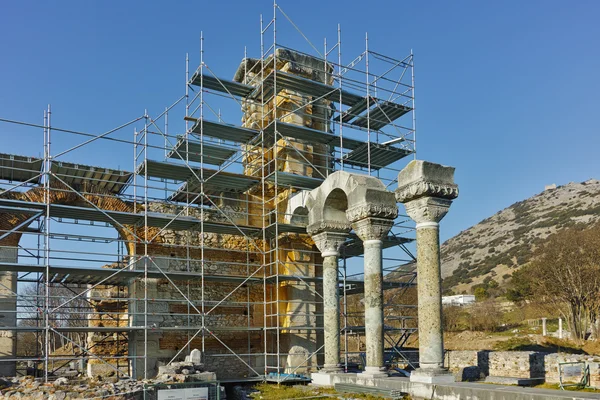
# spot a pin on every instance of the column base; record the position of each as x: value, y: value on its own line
x: 374, y: 372
x: 332, y: 369
x: 324, y: 378
x: 438, y: 375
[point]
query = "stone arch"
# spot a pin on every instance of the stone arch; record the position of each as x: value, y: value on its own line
x: 59, y: 193
x: 89, y: 196
x: 296, y: 212
x: 344, y: 198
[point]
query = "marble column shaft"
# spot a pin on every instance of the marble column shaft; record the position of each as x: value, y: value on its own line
x: 431, y: 345
x: 329, y: 244
x: 331, y: 312
x: 371, y: 230
x: 374, y: 303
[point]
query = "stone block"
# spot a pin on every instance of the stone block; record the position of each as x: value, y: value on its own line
x: 195, y: 356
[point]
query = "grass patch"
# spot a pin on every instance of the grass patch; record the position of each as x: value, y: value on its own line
x: 515, y: 344
x: 271, y: 391
x: 556, y: 386
x: 549, y: 345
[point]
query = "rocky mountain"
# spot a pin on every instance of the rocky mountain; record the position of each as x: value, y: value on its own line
x: 498, y: 245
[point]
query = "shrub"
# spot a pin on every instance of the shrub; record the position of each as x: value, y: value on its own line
x: 455, y: 319
x: 485, y: 316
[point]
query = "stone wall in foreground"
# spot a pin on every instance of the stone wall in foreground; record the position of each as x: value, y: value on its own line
x: 476, y: 365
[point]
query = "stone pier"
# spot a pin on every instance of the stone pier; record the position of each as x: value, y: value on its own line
x: 427, y: 190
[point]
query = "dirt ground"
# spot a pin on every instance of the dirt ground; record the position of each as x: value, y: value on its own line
x: 468, y: 340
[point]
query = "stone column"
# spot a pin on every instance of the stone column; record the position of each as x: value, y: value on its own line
x: 560, y: 331
x: 427, y: 190
x: 371, y: 231
x: 544, y: 330
x: 329, y: 244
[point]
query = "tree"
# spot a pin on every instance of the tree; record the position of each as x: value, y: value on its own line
x: 520, y: 288
x: 71, y: 309
x: 565, y: 276
x: 481, y: 293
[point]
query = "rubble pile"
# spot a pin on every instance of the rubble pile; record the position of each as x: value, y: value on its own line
x: 111, y: 388
x: 30, y: 388
x: 189, y: 370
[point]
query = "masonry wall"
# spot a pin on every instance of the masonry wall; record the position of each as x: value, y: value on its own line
x: 8, y: 301
x: 475, y: 365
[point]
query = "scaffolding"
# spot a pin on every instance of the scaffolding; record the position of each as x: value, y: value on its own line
x: 210, y: 249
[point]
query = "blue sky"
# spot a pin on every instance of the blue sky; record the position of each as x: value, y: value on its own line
x: 507, y: 92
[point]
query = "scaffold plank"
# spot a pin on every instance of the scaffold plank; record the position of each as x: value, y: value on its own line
x: 214, y: 180
x: 200, y: 152
x: 293, y: 180
x: 78, y: 175
x: 358, y: 287
x: 221, y: 85
x: 16, y: 168
x: 355, y: 110
x: 354, y: 246
x: 223, y: 131
x: 158, y: 220
x: 381, y: 155
x: 92, y: 276
x: 284, y: 80
x: 217, y: 184
x: 381, y: 114
x: 310, y: 135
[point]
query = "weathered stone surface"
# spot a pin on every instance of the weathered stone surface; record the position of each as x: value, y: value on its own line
x: 329, y: 243
x: 342, y: 201
x: 195, y: 356
x: 425, y: 179
x: 427, y: 190
x: 343, y: 198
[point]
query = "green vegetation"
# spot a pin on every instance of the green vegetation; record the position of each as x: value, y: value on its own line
x: 564, y: 278
x: 269, y: 391
x: 556, y: 386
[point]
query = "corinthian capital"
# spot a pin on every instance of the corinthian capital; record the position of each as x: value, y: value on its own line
x: 372, y: 228
x: 329, y: 243
x: 427, y: 209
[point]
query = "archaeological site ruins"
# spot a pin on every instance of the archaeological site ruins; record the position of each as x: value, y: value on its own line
x: 272, y: 248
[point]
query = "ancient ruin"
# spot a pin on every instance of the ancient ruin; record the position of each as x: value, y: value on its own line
x: 252, y: 251
x: 244, y: 241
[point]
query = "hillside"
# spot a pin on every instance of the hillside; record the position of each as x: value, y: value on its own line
x: 501, y: 243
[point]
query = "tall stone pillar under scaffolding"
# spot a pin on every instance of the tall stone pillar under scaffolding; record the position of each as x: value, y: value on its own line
x: 291, y: 262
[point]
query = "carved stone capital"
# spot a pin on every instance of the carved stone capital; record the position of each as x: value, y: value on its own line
x: 369, y: 210
x: 423, y: 188
x: 329, y: 243
x: 424, y: 179
x: 372, y: 228
x: 327, y: 226
x: 427, y: 209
